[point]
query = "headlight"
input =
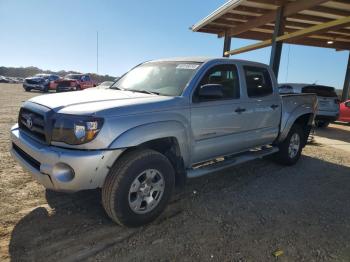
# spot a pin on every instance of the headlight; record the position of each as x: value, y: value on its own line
x: 75, y: 130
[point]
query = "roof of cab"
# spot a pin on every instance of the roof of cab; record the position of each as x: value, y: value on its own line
x: 202, y: 59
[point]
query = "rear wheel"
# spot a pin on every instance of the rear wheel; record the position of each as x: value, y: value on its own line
x: 27, y: 89
x: 290, y: 149
x: 138, y: 187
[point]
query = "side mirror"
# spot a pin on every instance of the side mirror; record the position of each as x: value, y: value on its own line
x: 210, y: 91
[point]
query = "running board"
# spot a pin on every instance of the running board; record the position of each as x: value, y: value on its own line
x: 230, y: 161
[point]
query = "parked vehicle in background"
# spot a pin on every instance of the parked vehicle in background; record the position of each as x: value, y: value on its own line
x: 74, y: 82
x: 106, y: 84
x: 328, y: 101
x: 41, y: 82
x: 344, y: 115
x: 4, y: 79
x: 162, y: 122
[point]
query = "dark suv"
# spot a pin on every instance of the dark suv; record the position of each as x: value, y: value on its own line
x: 42, y: 82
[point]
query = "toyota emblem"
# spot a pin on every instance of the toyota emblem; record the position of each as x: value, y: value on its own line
x: 29, y: 122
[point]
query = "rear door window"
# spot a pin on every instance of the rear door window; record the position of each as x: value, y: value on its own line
x: 324, y: 91
x: 258, y: 81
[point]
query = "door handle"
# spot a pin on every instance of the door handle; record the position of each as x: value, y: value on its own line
x: 240, y: 110
x: 274, y: 106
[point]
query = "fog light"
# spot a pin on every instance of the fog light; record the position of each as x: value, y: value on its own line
x: 63, y: 172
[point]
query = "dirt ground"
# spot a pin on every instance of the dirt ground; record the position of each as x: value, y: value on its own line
x: 241, y: 214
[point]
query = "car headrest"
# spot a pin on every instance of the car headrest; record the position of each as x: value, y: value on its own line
x: 255, y: 80
x: 215, y: 79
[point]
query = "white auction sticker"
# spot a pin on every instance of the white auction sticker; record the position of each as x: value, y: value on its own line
x: 186, y: 66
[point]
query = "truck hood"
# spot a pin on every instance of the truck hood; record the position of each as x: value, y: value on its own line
x: 97, y: 101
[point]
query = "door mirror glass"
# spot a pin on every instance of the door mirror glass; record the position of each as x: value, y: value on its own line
x: 210, y: 92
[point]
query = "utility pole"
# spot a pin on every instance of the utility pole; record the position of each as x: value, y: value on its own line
x: 97, y: 52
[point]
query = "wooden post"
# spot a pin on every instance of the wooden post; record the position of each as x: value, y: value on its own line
x: 276, y: 48
x: 227, y: 45
x: 346, y: 88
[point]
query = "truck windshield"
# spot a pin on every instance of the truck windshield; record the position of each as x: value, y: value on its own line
x: 163, y: 78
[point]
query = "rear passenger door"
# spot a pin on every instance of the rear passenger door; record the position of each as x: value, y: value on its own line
x: 263, y: 107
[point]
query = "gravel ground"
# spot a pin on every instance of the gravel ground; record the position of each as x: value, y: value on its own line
x: 241, y: 214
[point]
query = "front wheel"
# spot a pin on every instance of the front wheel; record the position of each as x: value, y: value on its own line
x: 290, y: 149
x: 138, y: 187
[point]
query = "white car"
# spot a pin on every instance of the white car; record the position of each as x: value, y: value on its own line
x: 328, y: 101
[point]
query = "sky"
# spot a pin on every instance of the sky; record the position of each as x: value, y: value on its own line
x: 61, y: 35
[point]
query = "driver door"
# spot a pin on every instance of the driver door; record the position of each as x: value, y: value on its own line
x: 215, y: 122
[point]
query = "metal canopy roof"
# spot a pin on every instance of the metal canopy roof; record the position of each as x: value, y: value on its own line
x: 320, y: 23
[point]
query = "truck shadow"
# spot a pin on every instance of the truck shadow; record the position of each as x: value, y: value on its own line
x: 305, y: 203
x: 335, y: 132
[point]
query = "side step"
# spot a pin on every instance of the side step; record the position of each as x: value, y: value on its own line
x: 229, y: 161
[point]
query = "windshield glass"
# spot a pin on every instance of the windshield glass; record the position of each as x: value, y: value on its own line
x: 163, y: 78
x: 70, y: 76
x: 42, y: 75
x: 324, y: 91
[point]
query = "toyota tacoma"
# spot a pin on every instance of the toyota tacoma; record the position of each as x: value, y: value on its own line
x: 162, y: 122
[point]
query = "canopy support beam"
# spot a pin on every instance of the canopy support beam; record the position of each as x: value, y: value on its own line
x: 276, y: 50
x: 227, y: 45
x: 295, y: 35
x: 346, y: 88
x: 289, y: 9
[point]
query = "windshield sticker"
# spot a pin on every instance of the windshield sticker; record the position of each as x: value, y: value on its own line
x: 187, y: 66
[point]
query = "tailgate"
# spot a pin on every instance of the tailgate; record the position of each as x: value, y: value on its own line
x: 328, y: 104
x: 326, y: 95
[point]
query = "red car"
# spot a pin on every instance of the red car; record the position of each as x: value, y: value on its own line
x: 73, y: 82
x: 345, y: 112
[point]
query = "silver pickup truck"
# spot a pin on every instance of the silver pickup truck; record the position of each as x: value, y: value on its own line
x: 162, y: 122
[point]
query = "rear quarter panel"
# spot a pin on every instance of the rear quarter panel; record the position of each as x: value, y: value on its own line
x: 293, y: 107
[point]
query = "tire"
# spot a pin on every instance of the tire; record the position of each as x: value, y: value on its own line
x: 289, y: 155
x: 321, y: 124
x: 78, y: 88
x: 46, y: 89
x: 117, y: 197
x: 27, y: 89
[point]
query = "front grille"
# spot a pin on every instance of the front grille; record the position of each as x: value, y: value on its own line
x: 33, y: 82
x: 64, y: 84
x: 32, y: 123
x: 34, y: 163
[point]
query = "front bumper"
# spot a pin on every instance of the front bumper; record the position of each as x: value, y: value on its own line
x: 66, y: 88
x: 50, y: 165
x: 34, y: 86
x: 327, y: 115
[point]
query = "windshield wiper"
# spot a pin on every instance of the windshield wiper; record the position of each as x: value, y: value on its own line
x: 143, y: 91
